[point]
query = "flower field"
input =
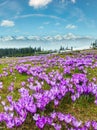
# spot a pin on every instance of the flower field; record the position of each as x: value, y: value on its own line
x: 49, y: 92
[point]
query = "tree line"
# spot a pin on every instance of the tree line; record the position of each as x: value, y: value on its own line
x: 16, y: 52
x: 94, y: 45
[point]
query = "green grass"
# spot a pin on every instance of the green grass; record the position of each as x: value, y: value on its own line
x: 83, y: 109
x: 3, y: 66
x: 16, y: 79
x: 55, y: 68
x: 46, y: 86
x: 91, y: 73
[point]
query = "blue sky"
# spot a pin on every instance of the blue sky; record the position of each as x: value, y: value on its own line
x: 48, y: 18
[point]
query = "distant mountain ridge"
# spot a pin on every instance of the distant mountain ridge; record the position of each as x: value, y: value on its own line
x: 58, y: 37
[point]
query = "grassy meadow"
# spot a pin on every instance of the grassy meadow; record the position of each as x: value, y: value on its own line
x: 83, y: 108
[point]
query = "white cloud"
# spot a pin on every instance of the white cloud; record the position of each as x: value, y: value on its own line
x: 6, y: 38
x: 7, y: 23
x: 46, y: 23
x: 57, y: 24
x: 20, y: 38
x: 48, y: 38
x: 41, y: 27
x: 58, y: 37
x: 3, y: 3
x: 70, y: 26
x: 63, y: 1
x: 70, y: 36
x: 73, y: 1
x: 40, y: 15
x: 36, y: 38
x: 39, y: 3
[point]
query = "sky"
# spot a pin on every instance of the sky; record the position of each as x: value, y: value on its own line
x: 48, y: 19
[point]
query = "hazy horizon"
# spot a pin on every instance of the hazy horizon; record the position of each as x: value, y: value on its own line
x: 47, y: 45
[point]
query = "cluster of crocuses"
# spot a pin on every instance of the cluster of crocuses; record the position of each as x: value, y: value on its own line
x: 71, y: 123
x: 78, y: 84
